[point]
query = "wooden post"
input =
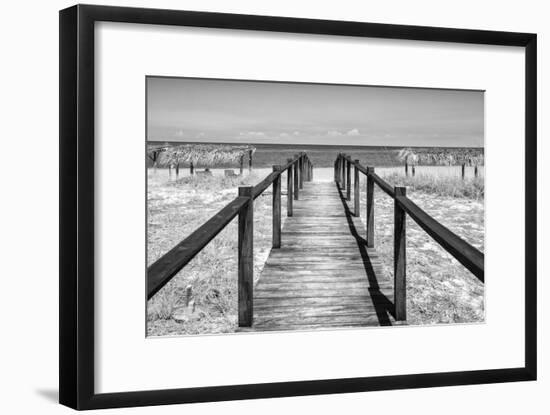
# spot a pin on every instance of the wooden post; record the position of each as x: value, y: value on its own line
x: 463, y: 170
x: 343, y: 172
x: 413, y: 170
x: 170, y: 170
x: 241, y: 165
x: 399, y: 257
x: 301, y: 164
x: 356, y: 193
x: 289, y: 193
x: 311, y: 172
x: 177, y: 169
x: 406, y: 169
x: 336, y: 170
x: 276, y: 209
x: 246, y: 258
x: 475, y: 171
x: 296, y: 169
x: 370, y: 207
x: 339, y: 169
x: 191, y: 169
x: 348, y: 180
x: 249, y: 161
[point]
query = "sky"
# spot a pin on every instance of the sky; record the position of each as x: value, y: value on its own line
x: 202, y: 110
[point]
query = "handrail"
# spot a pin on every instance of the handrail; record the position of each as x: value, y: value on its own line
x: 465, y: 253
x: 384, y: 185
x: 167, y: 266
x: 161, y: 271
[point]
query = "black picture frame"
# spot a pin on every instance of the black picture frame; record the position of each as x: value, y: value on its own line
x: 76, y: 278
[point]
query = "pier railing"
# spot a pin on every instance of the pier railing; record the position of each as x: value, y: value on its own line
x: 298, y: 169
x: 465, y: 253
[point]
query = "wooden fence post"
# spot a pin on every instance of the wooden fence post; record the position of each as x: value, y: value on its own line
x: 296, y: 169
x: 311, y: 172
x: 399, y: 257
x: 348, y: 180
x: 241, y: 165
x: 370, y: 207
x: 277, y: 209
x: 343, y: 172
x: 191, y: 169
x: 356, y: 192
x: 413, y: 170
x: 249, y: 161
x: 301, y: 165
x: 246, y: 258
x: 406, y: 169
x: 463, y: 170
x: 289, y: 192
x: 475, y: 171
x: 177, y: 169
x: 339, y: 169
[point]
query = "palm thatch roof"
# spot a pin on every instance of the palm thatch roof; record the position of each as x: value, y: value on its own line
x: 204, y: 154
x: 442, y: 156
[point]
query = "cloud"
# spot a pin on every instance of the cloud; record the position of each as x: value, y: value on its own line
x: 334, y: 133
x: 252, y: 134
x: 200, y: 135
x: 179, y: 133
x: 355, y: 131
x: 296, y: 133
x: 284, y: 135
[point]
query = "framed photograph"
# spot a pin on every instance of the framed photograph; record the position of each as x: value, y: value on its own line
x: 258, y: 206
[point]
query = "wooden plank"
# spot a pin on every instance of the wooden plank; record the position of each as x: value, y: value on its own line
x: 322, y: 275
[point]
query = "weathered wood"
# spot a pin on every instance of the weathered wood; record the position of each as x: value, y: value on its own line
x: 344, y: 176
x: 465, y: 253
x: 241, y: 162
x: 249, y: 161
x: 296, y: 178
x: 399, y: 257
x: 463, y: 171
x: 383, y: 185
x: 406, y: 169
x: 370, y: 207
x: 413, y: 170
x: 356, y: 193
x: 348, y: 180
x: 276, y: 209
x: 475, y: 171
x: 322, y: 276
x: 191, y: 169
x: 246, y: 258
x: 161, y: 271
x: 301, y: 168
x: 289, y: 190
x: 177, y: 169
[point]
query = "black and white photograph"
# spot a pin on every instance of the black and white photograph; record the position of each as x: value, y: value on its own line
x: 277, y: 206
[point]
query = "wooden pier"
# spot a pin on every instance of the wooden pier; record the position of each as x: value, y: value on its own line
x: 323, y: 270
x: 323, y: 275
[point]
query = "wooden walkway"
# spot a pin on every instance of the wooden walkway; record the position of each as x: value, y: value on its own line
x: 323, y: 275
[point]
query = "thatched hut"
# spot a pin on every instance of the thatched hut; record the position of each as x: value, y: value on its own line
x: 206, y: 155
x: 441, y: 157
